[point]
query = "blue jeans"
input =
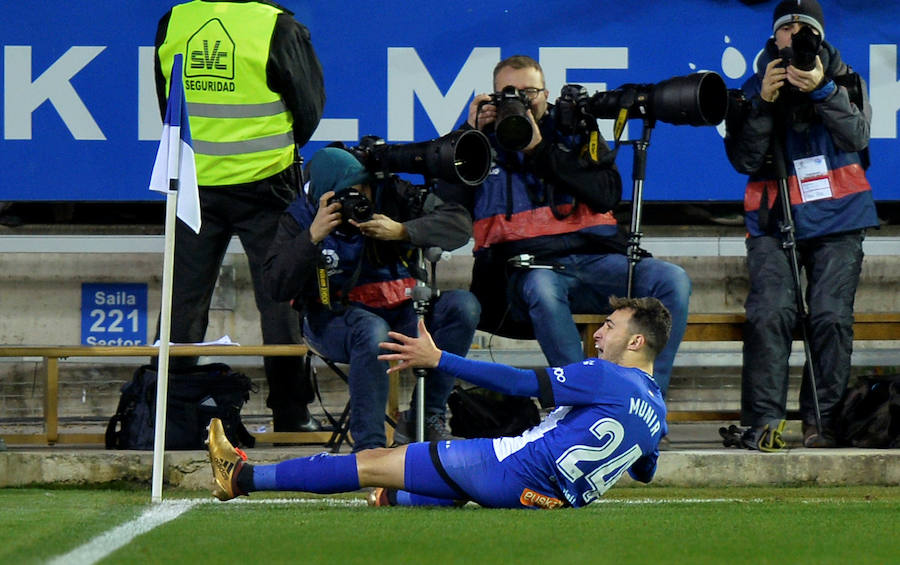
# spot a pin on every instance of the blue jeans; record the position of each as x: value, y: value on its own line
x: 352, y: 336
x: 583, y: 286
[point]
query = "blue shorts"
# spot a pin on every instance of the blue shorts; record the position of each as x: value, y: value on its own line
x: 465, y: 469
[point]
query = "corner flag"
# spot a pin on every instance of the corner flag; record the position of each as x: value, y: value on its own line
x: 174, y: 168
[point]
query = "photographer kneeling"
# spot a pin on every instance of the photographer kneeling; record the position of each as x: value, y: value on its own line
x: 348, y: 276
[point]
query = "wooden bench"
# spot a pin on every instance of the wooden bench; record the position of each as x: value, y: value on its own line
x: 50, y: 356
x: 730, y: 327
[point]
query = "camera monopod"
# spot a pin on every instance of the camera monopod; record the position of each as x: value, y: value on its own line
x: 789, y: 243
x: 422, y: 296
x: 638, y: 174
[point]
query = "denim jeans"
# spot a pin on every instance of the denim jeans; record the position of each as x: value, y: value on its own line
x: 352, y: 336
x: 583, y: 286
x: 832, y: 265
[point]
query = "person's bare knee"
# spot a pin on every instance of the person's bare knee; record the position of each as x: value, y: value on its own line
x: 381, y: 467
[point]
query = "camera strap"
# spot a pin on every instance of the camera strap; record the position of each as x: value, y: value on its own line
x: 591, y: 148
x: 324, y: 286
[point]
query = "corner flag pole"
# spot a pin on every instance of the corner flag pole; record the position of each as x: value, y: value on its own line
x: 173, y: 173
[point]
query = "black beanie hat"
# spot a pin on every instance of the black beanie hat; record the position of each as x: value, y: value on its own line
x: 803, y: 11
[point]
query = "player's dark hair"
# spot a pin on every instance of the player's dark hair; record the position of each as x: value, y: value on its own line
x: 649, y: 318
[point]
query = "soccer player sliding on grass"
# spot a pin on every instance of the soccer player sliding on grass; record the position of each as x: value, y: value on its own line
x: 609, y: 418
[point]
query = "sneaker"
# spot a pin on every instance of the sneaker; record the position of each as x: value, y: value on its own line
x: 767, y: 439
x: 812, y: 438
x: 379, y: 496
x: 226, y: 461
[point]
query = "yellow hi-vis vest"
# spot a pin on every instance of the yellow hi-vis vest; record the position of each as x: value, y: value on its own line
x: 241, y: 130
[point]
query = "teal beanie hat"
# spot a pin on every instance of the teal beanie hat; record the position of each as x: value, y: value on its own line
x: 332, y: 168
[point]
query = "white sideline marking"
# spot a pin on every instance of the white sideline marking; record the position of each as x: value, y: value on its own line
x: 104, y: 544
x: 673, y: 500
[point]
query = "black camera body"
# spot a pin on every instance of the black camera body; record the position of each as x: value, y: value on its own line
x: 570, y: 110
x: 354, y: 206
x: 805, y: 46
x: 512, y: 126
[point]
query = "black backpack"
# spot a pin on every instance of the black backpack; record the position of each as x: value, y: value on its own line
x: 869, y: 414
x: 479, y: 412
x: 194, y: 397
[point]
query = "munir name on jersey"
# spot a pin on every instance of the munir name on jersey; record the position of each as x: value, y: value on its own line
x: 645, y: 412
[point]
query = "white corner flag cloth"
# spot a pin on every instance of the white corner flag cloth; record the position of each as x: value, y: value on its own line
x: 174, y: 170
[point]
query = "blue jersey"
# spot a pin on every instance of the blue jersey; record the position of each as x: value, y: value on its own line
x: 608, y: 420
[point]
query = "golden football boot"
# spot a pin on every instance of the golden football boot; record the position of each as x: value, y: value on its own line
x: 226, y: 461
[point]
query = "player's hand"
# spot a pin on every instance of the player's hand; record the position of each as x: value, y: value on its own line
x: 481, y: 116
x: 411, y: 352
x: 328, y: 217
x: 772, y: 81
x: 382, y: 227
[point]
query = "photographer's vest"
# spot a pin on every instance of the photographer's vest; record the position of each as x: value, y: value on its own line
x: 375, y: 287
x: 242, y: 131
x: 848, y: 205
x: 504, y: 211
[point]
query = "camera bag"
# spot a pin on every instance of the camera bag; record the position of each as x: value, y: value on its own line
x: 194, y: 397
x: 869, y: 414
x: 481, y: 413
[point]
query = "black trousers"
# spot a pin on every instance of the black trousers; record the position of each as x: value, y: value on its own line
x: 832, y: 266
x: 251, y: 212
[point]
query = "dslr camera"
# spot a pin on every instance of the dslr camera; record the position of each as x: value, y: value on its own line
x: 805, y: 45
x: 354, y: 206
x: 570, y: 110
x: 512, y: 126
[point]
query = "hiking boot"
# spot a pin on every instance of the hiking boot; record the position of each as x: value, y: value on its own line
x: 435, y: 429
x: 765, y: 438
x: 380, y: 496
x: 226, y: 461
x: 812, y: 437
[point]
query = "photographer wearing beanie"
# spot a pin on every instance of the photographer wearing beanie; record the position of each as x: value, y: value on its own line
x: 345, y: 253
x: 805, y: 101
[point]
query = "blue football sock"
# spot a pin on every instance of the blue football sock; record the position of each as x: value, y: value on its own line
x: 404, y: 498
x: 323, y: 474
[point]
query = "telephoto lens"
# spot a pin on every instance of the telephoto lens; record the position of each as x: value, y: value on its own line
x: 513, y: 127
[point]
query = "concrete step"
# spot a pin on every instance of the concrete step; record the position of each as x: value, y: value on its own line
x: 694, y: 458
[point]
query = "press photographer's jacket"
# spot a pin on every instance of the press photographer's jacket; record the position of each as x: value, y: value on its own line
x: 528, y: 200
x: 550, y: 203
x: 361, y: 271
x: 823, y: 122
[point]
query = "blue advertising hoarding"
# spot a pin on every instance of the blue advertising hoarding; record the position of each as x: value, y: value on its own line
x: 81, y: 121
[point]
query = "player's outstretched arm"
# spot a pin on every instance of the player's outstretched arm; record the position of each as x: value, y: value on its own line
x: 411, y: 352
x: 421, y: 352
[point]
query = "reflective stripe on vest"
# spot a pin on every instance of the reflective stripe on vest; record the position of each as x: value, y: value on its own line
x: 242, y: 131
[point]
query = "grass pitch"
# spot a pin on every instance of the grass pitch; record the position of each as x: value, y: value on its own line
x: 630, y: 525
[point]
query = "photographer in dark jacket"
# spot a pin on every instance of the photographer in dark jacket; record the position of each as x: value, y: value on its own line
x: 550, y: 205
x: 807, y: 100
x: 249, y: 112
x: 366, y: 268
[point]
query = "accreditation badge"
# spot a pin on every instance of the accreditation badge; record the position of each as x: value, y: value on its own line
x: 812, y: 173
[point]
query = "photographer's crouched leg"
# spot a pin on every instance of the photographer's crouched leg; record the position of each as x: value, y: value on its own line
x: 452, y: 322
